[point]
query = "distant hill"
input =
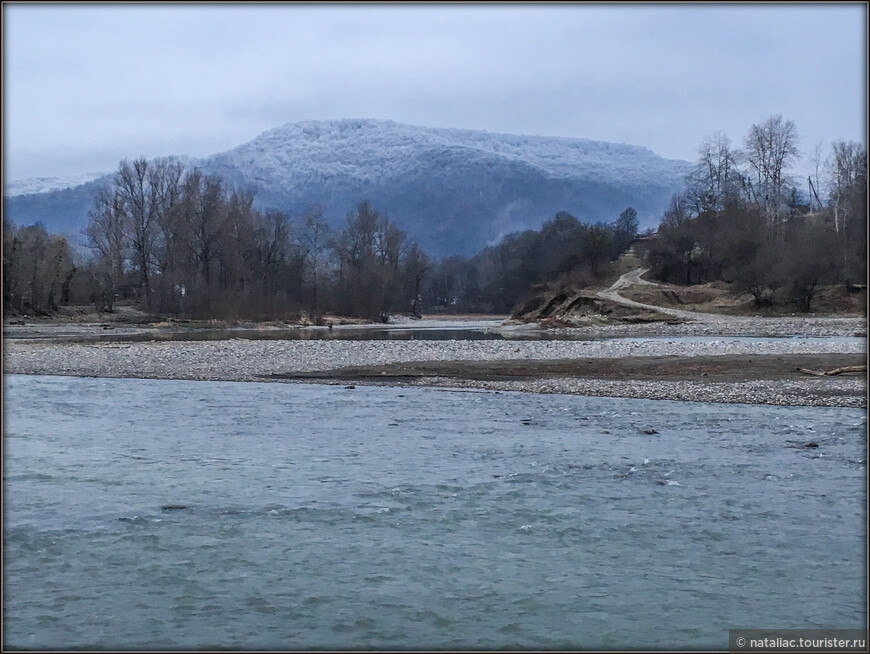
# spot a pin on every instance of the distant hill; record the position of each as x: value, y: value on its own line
x: 63, y: 211
x: 34, y: 185
x: 454, y: 191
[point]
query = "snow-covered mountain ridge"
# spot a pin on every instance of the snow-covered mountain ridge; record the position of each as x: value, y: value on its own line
x: 378, y: 150
x: 31, y: 185
x: 452, y: 190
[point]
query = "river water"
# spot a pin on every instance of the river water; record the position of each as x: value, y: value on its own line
x: 188, y: 515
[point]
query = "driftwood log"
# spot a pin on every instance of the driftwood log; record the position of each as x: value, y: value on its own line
x: 835, y: 371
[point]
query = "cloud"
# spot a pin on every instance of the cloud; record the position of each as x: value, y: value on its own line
x: 197, y: 79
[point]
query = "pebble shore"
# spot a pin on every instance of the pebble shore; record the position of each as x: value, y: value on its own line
x: 253, y: 360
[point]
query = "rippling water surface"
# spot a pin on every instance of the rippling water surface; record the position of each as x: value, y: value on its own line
x: 171, y: 514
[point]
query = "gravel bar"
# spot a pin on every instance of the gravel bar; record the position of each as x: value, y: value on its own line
x: 724, y: 325
x: 257, y: 360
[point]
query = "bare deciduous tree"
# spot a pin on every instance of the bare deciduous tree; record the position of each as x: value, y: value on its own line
x: 107, y: 238
x: 37, y: 269
x: 135, y: 198
x: 715, y: 176
x: 624, y: 231
x: 847, y: 174
x: 165, y: 178
x: 770, y: 148
x: 416, y: 266
x: 313, y: 237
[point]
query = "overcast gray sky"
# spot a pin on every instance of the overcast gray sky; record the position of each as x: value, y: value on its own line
x: 87, y: 85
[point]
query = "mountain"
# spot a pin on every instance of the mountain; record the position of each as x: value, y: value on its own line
x: 454, y: 191
x: 33, y: 185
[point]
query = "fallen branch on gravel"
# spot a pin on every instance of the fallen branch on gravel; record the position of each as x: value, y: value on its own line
x: 835, y: 371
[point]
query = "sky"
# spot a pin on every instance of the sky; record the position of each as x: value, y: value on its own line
x: 85, y: 86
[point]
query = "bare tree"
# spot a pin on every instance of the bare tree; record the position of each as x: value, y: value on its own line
x: 202, y: 219
x: 715, y: 177
x: 274, y: 245
x: 671, y: 252
x: 313, y: 238
x: 37, y: 269
x: 596, y: 246
x: 847, y: 183
x: 107, y: 238
x: 814, y: 185
x: 165, y: 178
x: 132, y: 186
x: 847, y: 174
x: 770, y: 149
x: 416, y: 265
x: 813, y: 260
x: 677, y: 214
x: 624, y: 231
x: 389, y: 243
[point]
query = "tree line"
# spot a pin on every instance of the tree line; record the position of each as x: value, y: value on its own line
x: 742, y: 219
x: 176, y: 242
x: 39, y: 271
x: 564, y: 250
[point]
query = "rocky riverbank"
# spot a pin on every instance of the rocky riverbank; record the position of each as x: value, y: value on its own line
x: 723, y: 369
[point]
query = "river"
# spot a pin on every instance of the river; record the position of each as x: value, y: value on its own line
x: 188, y: 515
